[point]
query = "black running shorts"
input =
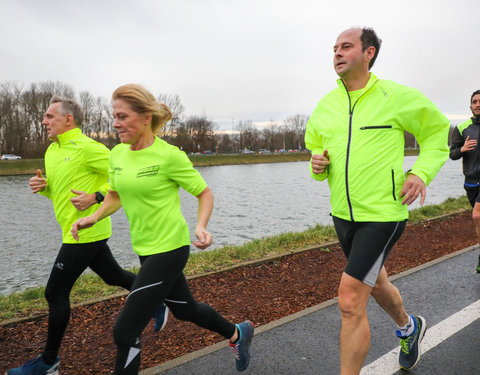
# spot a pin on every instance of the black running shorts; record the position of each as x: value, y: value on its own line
x: 366, y: 246
x: 473, y: 194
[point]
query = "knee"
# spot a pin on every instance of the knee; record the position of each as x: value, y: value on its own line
x: 476, y: 217
x: 114, y: 278
x: 186, y: 312
x: 349, y: 304
x: 56, y: 296
x: 121, y: 336
x: 109, y: 280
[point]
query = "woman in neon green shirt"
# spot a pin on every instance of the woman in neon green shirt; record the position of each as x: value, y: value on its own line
x: 145, y: 176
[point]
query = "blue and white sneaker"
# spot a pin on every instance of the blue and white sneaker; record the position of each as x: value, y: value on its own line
x: 241, y: 348
x: 161, y: 317
x: 36, y: 367
x: 410, y: 345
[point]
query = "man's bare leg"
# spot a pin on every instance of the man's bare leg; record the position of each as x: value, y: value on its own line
x: 388, y: 297
x: 355, y: 334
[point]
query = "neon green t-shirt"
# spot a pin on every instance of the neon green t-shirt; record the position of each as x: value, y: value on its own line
x: 147, y: 182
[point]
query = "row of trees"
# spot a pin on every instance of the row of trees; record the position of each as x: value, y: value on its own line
x: 22, y: 110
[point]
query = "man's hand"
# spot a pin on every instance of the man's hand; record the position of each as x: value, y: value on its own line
x: 37, y: 183
x: 204, y: 238
x: 320, y: 162
x: 83, y: 201
x: 470, y: 144
x: 412, y: 188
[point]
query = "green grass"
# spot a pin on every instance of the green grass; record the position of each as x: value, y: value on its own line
x: 227, y: 256
x: 448, y: 206
x: 18, y: 167
x: 90, y: 286
x: 230, y: 159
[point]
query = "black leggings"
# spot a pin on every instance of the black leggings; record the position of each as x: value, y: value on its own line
x: 72, y: 260
x: 159, y: 280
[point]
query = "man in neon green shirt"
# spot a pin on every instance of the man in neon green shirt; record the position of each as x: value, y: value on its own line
x: 356, y: 135
x: 76, y: 180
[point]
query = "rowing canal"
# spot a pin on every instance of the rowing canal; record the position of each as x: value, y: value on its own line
x: 251, y: 201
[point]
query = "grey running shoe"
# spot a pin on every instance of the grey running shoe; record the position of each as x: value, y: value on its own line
x: 410, y: 345
x: 241, y: 349
x: 36, y: 367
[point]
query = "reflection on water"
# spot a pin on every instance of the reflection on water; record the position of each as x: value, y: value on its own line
x: 251, y: 201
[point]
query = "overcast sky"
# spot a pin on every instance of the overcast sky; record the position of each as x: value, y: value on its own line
x: 257, y: 60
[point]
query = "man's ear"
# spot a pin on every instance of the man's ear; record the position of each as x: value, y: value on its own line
x: 70, y: 120
x: 369, y: 53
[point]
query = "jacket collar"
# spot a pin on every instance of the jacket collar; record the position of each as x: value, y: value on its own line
x: 371, y: 81
x: 68, y: 135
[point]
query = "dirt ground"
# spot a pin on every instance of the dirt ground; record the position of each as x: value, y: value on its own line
x: 261, y: 293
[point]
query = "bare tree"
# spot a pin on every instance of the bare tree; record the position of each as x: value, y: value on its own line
x: 294, y: 129
x: 176, y: 107
x: 225, y: 143
x: 248, y: 135
x: 11, y: 129
x: 196, y: 134
x: 269, y: 134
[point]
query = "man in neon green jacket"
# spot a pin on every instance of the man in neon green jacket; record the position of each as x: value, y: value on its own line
x: 72, y: 161
x: 356, y: 135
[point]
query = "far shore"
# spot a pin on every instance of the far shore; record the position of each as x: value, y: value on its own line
x: 30, y: 166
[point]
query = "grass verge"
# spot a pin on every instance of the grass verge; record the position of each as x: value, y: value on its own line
x: 89, y: 285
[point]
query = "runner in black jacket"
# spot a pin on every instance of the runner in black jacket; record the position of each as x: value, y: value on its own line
x: 465, y: 145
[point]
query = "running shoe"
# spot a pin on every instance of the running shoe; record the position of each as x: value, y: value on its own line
x: 241, y: 348
x: 477, y: 270
x: 410, y: 345
x: 36, y: 367
x: 161, y: 317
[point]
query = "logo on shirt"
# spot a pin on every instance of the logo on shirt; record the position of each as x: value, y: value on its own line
x: 148, y: 172
x: 117, y: 171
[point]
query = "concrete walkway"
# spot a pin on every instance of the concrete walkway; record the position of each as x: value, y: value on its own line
x: 446, y: 292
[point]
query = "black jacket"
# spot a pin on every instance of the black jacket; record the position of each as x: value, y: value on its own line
x: 471, y: 159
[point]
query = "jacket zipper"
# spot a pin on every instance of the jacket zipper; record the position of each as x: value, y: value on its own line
x: 350, y: 123
x: 393, y: 184
x: 376, y: 127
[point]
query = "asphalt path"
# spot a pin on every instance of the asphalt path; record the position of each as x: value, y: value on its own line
x: 446, y: 292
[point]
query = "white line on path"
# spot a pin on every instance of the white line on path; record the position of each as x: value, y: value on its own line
x: 388, y: 364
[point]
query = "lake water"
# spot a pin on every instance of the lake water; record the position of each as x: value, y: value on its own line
x: 251, y: 201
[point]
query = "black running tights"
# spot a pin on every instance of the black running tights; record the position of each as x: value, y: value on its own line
x: 72, y: 260
x: 159, y: 280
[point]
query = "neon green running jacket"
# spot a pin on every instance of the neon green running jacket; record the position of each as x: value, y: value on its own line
x: 365, y: 143
x: 76, y: 162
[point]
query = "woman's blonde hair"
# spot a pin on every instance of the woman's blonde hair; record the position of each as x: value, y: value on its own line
x: 142, y: 101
